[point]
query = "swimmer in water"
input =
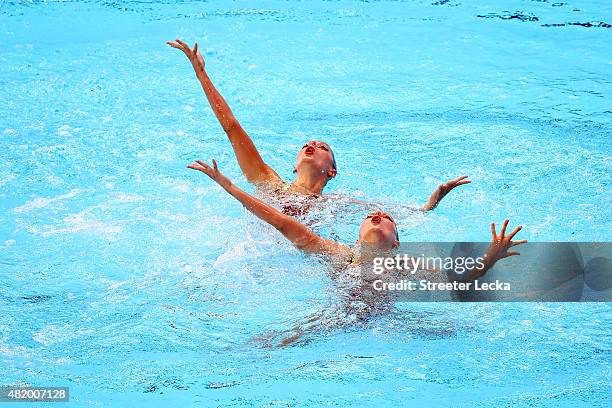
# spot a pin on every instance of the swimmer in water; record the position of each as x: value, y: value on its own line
x: 378, y: 236
x: 315, y: 164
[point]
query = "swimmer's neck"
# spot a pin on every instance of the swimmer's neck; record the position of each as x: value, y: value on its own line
x: 309, y: 184
x: 362, y: 254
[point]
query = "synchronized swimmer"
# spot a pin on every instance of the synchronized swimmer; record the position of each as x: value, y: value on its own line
x: 315, y: 164
x: 378, y: 236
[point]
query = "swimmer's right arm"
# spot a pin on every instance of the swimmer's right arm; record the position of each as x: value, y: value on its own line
x: 300, y: 235
x: 252, y: 165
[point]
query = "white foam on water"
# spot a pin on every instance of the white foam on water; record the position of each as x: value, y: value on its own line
x: 128, y: 198
x: 42, y: 202
x: 173, y: 217
x: 77, y: 222
x: 112, y: 284
x: 14, y: 351
x: 63, y: 361
x: 176, y: 185
x: 8, y: 178
x: 55, y: 180
x: 242, y: 250
x: 64, y: 130
x: 53, y: 334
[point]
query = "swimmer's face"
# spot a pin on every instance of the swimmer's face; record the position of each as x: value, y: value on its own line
x: 379, y: 229
x: 319, y: 155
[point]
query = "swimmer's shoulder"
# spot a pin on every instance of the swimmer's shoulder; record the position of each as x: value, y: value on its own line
x: 341, y: 254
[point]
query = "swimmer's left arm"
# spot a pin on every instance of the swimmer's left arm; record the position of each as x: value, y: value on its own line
x: 300, y: 235
x: 443, y: 190
x: 439, y: 193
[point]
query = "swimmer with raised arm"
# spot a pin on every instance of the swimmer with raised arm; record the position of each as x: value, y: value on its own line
x: 378, y: 236
x: 378, y: 230
x: 315, y: 163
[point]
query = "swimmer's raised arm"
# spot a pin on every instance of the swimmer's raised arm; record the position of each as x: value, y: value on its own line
x: 442, y: 190
x: 252, y: 165
x: 300, y: 235
x: 498, y: 249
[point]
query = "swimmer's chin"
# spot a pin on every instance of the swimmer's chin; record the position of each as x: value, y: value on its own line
x: 309, y: 161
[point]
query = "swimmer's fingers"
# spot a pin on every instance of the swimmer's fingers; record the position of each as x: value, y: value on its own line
x: 205, y: 165
x: 212, y: 172
x: 503, y: 231
x: 458, y: 179
x: 182, y: 44
x: 176, y: 45
x: 513, y: 233
x: 493, y: 231
x: 515, y: 243
x: 507, y: 254
x: 198, y: 167
x: 183, y: 47
x: 199, y: 57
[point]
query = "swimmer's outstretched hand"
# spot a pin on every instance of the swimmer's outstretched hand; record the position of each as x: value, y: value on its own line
x: 501, y: 243
x: 497, y: 250
x: 443, y: 190
x: 212, y: 172
x: 194, y: 55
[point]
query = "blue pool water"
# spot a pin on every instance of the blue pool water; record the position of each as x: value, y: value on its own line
x: 131, y: 279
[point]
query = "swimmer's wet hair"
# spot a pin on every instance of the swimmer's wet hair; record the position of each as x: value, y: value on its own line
x: 396, y: 231
x: 334, y: 165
